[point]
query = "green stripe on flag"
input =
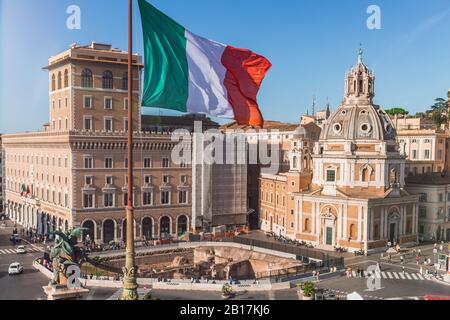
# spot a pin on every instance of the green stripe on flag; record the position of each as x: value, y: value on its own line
x: 166, y: 66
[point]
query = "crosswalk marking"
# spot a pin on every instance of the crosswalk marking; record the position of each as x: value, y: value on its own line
x: 14, y: 251
x: 393, y: 275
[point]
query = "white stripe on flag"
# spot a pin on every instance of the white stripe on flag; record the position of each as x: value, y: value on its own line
x: 207, y: 92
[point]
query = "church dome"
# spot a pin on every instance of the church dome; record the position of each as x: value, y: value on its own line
x: 358, y: 118
x: 355, y: 122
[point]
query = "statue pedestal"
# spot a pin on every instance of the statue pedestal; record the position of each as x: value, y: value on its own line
x: 63, y: 293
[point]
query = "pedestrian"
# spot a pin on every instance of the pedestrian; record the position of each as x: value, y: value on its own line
x: 390, y: 258
x: 420, y: 252
x: 417, y: 260
x: 378, y: 267
x: 441, y: 248
x: 318, y: 276
x: 403, y: 269
x: 402, y: 259
x: 421, y: 270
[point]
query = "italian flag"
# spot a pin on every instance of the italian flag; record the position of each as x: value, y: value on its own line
x: 191, y: 74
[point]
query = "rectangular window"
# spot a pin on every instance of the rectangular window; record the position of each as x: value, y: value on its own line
x: 125, y: 104
x: 88, y: 102
x: 148, y: 179
x: 414, y: 154
x: 182, y: 197
x: 165, y: 162
x: 427, y: 154
x: 147, y: 162
x: 125, y: 124
x: 184, y: 179
x: 440, y: 154
x: 108, y: 124
x: 423, y: 197
x: 88, y: 163
x: 165, y: 197
x: 108, y: 103
x: 147, y: 198
x: 88, y: 123
x: 88, y: 180
x: 109, y: 180
x: 441, y: 197
x: 108, y: 200
x: 166, y: 179
x: 125, y: 199
x: 88, y: 200
x: 422, y: 212
x: 331, y: 176
x: 108, y: 163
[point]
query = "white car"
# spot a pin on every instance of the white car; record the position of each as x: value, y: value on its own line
x: 21, y: 250
x: 15, y: 268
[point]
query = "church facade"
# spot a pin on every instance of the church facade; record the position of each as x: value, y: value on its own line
x: 357, y: 198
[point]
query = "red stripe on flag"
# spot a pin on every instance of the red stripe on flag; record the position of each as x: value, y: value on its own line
x: 245, y: 73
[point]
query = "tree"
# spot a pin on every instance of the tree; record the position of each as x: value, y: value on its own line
x: 397, y: 111
x: 439, y: 111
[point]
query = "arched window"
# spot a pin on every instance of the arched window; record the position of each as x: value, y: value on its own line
x: 107, y: 80
x: 108, y: 231
x: 66, y: 78
x: 182, y: 225
x: 86, y: 78
x: 88, y: 234
x: 164, y: 229
x: 53, y: 82
x: 364, y: 172
x: 59, y: 80
x: 125, y: 81
x: 147, y: 228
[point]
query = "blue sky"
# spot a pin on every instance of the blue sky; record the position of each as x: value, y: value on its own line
x: 311, y: 43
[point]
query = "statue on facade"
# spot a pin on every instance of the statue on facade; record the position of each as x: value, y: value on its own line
x: 64, y: 254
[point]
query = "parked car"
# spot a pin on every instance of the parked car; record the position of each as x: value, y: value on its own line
x: 15, y: 268
x: 21, y: 250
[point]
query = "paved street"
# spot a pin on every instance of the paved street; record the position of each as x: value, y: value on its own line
x: 27, y: 286
x: 394, y: 283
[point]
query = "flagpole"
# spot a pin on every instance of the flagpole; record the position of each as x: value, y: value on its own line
x: 130, y: 271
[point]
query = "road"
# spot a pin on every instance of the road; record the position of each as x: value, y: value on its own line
x: 27, y: 286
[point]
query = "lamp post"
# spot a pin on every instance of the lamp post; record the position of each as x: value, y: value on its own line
x: 130, y: 271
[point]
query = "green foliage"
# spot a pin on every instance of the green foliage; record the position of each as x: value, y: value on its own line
x: 397, y: 111
x: 308, y: 288
x: 148, y: 296
x: 227, y: 290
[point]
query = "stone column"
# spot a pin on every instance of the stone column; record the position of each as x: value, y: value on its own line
x: 360, y: 224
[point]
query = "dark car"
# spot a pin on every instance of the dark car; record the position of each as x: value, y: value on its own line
x: 15, y: 238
